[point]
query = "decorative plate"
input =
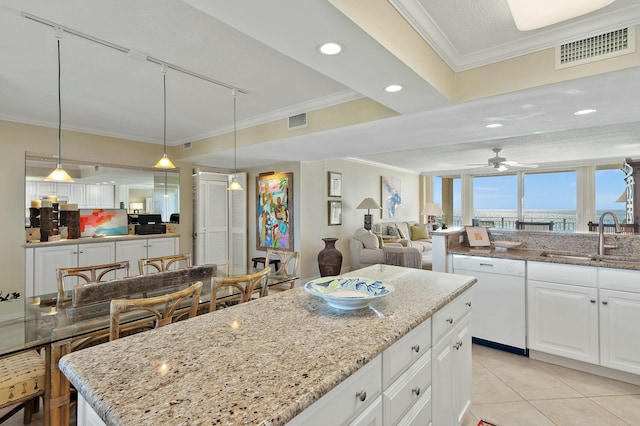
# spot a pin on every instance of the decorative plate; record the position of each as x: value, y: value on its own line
x: 507, y: 244
x: 348, y: 293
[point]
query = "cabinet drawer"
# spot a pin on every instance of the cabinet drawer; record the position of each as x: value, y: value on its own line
x: 489, y: 264
x: 619, y: 279
x: 446, y: 318
x: 342, y: 404
x: 404, y: 392
x: 420, y: 413
x: 563, y: 274
x: 397, y: 358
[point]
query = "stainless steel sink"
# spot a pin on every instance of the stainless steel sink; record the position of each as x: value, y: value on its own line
x: 568, y: 256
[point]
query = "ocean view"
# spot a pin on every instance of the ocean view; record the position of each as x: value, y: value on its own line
x: 564, y: 220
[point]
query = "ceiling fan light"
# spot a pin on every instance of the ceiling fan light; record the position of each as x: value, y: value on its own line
x: 530, y: 15
x: 59, y: 175
x: 165, y: 163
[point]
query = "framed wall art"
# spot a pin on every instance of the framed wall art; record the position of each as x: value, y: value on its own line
x: 274, y: 221
x: 390, y: 196
x: 335, y: 212
x: 334, y: 184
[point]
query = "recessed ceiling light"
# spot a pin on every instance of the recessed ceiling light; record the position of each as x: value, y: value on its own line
x: 493, y: 126
x: 584, y: 111
x: 330, y: 48
x: 393, y: 88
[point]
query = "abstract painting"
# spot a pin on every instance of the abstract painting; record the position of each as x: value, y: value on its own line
x: 274, y: 211
x: 103, y: 222
x: 391, y: 196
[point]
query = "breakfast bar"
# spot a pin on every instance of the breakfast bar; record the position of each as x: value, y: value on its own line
x: 267, y: 361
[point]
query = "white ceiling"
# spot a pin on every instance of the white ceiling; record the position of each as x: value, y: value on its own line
x: 268, y: 49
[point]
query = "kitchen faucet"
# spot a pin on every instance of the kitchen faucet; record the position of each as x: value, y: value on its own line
x: 601, y: 245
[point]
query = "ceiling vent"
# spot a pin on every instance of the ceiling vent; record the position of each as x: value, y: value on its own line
x: 297, y: 121
x: 186, y: 145
x: 602, y: 46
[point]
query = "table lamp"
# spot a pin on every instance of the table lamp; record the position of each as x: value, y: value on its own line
x: 368, y: 203
x: 431, y: 210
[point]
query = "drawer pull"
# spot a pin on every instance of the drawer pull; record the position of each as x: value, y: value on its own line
x: 457, y: 345
x: 416, y: 348
x: 604, y: 302
x: 416, y: 391
x: 362, y: 395
x: 593, y: 301
x: 450, y: 320
x: 468, y: 304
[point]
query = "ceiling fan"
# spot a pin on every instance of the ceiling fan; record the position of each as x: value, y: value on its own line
x: 501, y: 164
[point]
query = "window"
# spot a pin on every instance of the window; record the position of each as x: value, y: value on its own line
x: 551, y: 197
x: 495, y: 201
x: 610, y: 187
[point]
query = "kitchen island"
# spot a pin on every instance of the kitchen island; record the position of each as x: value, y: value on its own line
x: 262, y: 362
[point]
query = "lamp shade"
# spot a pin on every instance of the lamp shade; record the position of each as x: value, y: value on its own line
x: 367, y: 204
x: 432, y: 209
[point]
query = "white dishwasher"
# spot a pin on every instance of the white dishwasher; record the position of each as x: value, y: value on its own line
x: 499, y: 301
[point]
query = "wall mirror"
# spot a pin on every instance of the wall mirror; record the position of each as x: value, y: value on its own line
x: 136, y: 189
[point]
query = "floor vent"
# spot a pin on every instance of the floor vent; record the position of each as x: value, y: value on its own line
x: 186, y: 145
x: 296, y: 121
x: 602, y: 46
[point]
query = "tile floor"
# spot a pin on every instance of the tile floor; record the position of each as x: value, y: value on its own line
x: 511, y: 390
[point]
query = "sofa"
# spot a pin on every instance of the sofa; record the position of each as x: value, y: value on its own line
x: 408, y: 234
x: 366, y: 250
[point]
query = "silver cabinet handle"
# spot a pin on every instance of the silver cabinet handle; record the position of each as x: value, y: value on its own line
x: 416, y: 391
x: 416, y: 348
x: 450, y: 320
x: 457, y: 345
x: 362, y: 395
x: 604, y: 302
x: 593, y: 301
x: 468, y: 304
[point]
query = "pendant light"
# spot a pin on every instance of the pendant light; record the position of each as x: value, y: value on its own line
x: 234, y: 185
x: 164, y: 162
x: 59, y: 174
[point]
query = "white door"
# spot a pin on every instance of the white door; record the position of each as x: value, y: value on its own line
x: 563, y: 320
x: 619, y: 331
x: 46, y: 261
x: 132, y: 251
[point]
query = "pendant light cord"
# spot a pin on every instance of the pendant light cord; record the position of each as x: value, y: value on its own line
x: 235, y: 148
x: 59, y: 111
x: 164, y: 86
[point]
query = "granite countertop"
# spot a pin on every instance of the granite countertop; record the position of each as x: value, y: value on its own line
x: 261, y: 362
x: 551, y: 256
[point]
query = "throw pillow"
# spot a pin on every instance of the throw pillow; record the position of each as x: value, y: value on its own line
x: 419, y: 232
x: 401, y: 234
x: 403, y: 230
x: 368, y: 239
x: 393, y: 232
x: 380, y: 243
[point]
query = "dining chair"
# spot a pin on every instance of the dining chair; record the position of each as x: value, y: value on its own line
x: 22, y: 381
x: 534, y: 226
x: 610, y: 228
x: 288, y: 265
x: 165, y: 308
x: 90, y: 274
x: 149, y: 265
x: 246, y: 286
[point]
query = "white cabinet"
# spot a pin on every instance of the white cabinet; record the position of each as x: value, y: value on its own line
x: 133, y: 250
x: 451, y: 362
x: 46, y: 260
x: 619, y: 319
x: 563, y: 317
x: 372, y: 416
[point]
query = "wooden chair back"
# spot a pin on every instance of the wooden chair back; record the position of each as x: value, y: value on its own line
x: 90, y: 274
x: 163, y: 263
x: 165, y: 309
x: 534, y: 226
x: 246, y: 285
x: 289, y: 264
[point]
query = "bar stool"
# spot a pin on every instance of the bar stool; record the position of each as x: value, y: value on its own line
x: 263, y: 260
x: 22, y: 379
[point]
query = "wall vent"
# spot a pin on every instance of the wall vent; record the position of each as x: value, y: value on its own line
x: 602, y: 46
x: 296, y: 121
x: 186, y: 145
